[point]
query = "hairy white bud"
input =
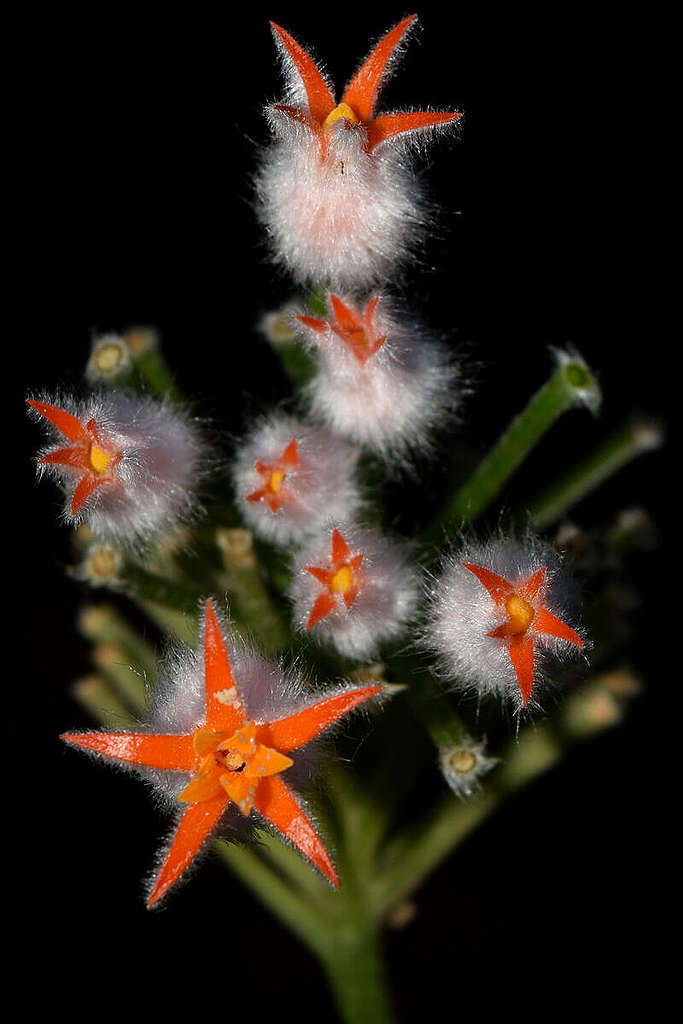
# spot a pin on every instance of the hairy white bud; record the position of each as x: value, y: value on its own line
x: 129, y: 466
x: 291, y: 478
x: 499, y: 616
x: 354, y: 589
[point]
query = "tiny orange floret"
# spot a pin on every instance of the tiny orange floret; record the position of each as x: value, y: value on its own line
x: 340, y: 579
x: 526, y: 617
x: 88, y: 454
x: 274, y: 476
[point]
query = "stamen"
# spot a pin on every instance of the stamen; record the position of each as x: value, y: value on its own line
x: 341, y: 110
x: 342, y: 580
x: 99, y: 460
x: 521, y: 613
x: 275, y: 481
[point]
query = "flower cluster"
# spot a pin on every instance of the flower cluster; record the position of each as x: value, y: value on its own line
x: 229, y: 730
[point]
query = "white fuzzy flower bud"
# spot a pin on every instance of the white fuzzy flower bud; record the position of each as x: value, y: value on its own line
x: 291, y: 479
x: 336, y: 191
x: 499, y: 616
x: 129, y: 466
x: 379, y: 383
x: 354, y: 589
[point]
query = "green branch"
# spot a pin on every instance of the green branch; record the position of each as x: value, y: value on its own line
x: 571, y: 384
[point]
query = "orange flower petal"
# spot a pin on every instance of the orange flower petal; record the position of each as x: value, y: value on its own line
x: 387, y: 126
x: 546, y: 622
x: 498, y: 587
x: 193, y: 831
x: 277, y: 804
x: 175, y: 753
x: 314, y: 323
x: 522, y: 657
x: 347, y: 319
x: 86, y: 486
x: 204, y: 787
x: 323, y: 576
x: 266, y: 762
x: 294, y: 731
x: 290, y: 456
x: 320, y: 99
x: 350, y: 595
x: 531, y: 588
x: 323, y: 605
x: 361, y: 92
x: 218, y: 677
x: 294, y: 113
x: 340, y: 549
x: 76, y: 457
x: 63, y: 421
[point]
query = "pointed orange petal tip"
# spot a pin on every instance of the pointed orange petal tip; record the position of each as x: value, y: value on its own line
x: 314, y: 323
x: 67, y: 424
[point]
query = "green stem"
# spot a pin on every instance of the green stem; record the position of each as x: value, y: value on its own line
x: 152, y: 370
x: 254, y: 606
x: 148, y: 586
x: 355, y: 970
x: 625, y: 444
x: 413, y: 855
x: 571, y: 384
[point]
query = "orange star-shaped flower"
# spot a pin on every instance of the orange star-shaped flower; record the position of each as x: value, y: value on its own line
x: 355, y: 329
x: 274, y: 475
x: 90, y: 456
x: 357, y: 106
x: 230, y: 760
x: 341, y: 578
x: 526, y: 619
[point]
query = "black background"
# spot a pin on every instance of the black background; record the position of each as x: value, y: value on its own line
x: 137, y: 134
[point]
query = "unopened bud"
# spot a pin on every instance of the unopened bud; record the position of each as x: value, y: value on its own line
x: 237, y: 547
x: 109, y: 358
x: 463, y: 764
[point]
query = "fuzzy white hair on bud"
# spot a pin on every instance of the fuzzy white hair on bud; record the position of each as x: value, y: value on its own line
x: 346, y: 216
x: 354, y: 589
x: 291, y: 478
x: 381, y: 382
x: 129, y: 466
x: 501, y: 614
x: 336, y: 189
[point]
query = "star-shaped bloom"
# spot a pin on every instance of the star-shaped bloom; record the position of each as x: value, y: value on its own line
x: 525, y: 619
x: 129, y: 466
x: 355, y: 329
x: 381, y: 382
x: 91, y: 457
x: 499, y: 614
x: 341, y: 578
x: 356, y: 109
x: 228, y: 760
x: 291, y: 478
x: 336, y: 189
x: 274, y: 475
x: 353, y: 589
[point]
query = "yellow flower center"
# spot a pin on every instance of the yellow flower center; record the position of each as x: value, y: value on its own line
x: 341, y: 110
x: 99, y: 460
x: 231, y: 764
x: 275, y: 481
x: 521, y: 613
x: 342, y: 580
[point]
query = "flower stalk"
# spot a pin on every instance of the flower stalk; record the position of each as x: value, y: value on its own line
x: 571, y: 384
x: 625, y: 444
